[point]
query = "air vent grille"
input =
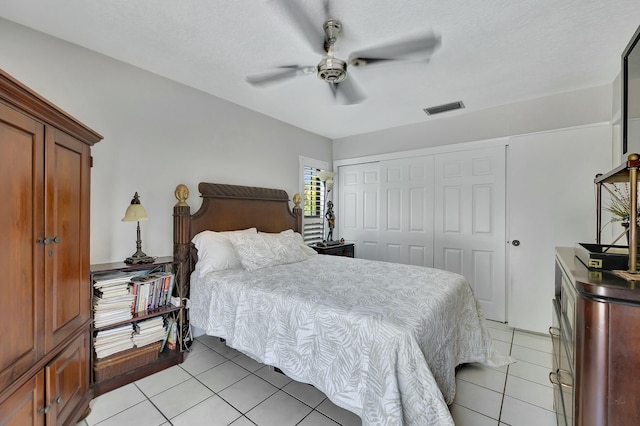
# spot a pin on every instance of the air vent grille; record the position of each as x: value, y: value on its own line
x: 444, y: 108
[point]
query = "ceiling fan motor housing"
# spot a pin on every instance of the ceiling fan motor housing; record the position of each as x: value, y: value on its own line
x: 332, y: 70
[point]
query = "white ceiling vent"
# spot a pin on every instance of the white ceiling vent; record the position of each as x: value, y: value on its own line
x: 444, y: 108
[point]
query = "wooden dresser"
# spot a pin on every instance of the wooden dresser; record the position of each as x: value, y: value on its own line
x: 44, y: 222
x: 596, y: 353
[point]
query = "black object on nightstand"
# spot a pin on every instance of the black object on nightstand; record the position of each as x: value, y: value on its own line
x: 336, y: 250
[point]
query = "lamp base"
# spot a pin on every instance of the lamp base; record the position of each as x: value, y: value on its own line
x: 135, y: 260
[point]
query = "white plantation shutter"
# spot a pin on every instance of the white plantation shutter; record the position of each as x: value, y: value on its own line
x: 313, y: 200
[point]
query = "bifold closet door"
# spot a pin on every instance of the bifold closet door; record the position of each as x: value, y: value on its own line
x: 406, y: 211
x: 358, y: 210
x: 469, y: 222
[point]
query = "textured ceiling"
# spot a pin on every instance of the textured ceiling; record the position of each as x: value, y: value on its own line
x: 493, y: 52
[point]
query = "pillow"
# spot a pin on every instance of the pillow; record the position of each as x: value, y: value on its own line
x: 263, y: 249
x: 215, y: 251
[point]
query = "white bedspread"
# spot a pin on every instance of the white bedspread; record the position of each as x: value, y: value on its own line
x: 379, y: 339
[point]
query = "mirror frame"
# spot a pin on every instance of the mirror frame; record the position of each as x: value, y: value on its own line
x: 633, y: 43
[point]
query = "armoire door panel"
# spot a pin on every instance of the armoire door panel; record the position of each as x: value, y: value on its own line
x: 67, y: 380
x: 21, y: 257
x: 66, y: 257
x: 23, y: 406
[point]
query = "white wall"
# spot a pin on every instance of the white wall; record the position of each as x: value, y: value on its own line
x: 587, y: 106
x: 157, y: 134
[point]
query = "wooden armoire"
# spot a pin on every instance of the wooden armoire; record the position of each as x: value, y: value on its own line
x: 45, y: 160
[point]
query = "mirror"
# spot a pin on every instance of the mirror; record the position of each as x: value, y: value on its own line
x: 631, y: 95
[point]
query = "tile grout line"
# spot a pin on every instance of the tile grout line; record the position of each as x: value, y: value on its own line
x: 506, y: 378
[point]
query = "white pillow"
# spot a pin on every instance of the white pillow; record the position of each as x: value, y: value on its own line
x: 261, y: 250
x: 215, y: 251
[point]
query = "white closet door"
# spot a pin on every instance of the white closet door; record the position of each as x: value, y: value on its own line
x: 551, y: 204
x: 470, y: 222
x: 406, y: 211
x: 358, y: 218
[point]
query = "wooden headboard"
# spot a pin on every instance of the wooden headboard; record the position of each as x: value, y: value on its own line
x: 228, y: 208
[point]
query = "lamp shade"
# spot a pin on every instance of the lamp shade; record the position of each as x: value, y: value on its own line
x: 135, y: 212
x: 325, y: 176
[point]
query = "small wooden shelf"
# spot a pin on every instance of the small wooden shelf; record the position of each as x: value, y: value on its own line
x: 140, y: 316
x: 167, y: 357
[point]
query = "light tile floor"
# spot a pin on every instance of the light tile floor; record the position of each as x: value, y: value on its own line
x: 217, y: 385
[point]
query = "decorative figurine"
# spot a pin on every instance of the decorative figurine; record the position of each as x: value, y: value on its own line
x: 331, y: 219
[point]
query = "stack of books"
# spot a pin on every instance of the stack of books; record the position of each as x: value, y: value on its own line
x: 109, y: 342
x: 149, y: 331
x: 112, y: 300
x: 151, y: 291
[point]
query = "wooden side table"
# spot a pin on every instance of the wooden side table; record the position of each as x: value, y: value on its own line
x: 346, y: 249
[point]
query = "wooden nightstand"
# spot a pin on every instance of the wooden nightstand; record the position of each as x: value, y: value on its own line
x: 346, y: 249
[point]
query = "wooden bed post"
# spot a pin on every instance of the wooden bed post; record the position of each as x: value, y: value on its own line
x: 182, y: 238
x: 297, y: 211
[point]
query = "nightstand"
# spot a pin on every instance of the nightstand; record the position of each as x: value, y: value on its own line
x: 346, y: 249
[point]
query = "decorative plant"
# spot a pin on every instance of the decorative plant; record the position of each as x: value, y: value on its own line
x: 620, y: 204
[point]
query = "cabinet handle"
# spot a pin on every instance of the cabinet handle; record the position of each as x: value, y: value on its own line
x: 554, y: 331
x: 559, y: 376
x: 48, y: 240
x: 553, y: 378
x: 58, y: 400
x: 44, y: 410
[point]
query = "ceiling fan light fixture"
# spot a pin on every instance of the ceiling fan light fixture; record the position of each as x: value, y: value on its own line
x: 444, y: 108
x: 332, y: 70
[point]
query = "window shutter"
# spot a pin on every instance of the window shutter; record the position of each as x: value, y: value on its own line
x: 313, y: 207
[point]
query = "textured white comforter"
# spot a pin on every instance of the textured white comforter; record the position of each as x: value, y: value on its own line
x: 379, y: 339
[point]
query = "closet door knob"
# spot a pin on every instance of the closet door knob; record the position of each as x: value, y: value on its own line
x: 56, y: 239
x: 515, y: 242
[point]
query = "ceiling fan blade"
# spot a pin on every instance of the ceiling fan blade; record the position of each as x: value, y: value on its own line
x: 348, y: 92
x: 421, y: 47
x: 282, y: 73
x: 311, y: 29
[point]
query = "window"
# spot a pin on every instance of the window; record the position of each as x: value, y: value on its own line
x: 313, y: 200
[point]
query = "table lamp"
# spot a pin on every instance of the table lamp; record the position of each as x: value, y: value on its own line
x: 135, y: 213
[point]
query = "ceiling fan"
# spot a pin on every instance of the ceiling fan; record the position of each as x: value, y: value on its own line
x: 333, y: 70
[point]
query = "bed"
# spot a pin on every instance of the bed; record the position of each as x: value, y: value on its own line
x: 382, y: 340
